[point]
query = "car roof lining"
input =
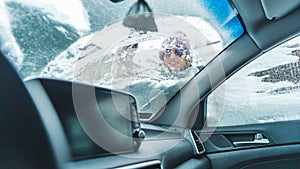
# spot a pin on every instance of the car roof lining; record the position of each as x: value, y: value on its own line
x: 279, y: 8
x: 261, y: 29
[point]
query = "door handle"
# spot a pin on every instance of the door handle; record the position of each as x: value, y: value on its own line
x: 258, y: 140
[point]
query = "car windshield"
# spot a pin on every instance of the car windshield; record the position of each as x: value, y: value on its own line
x: 148, y: 49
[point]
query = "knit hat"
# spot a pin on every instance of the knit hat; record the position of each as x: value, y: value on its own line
x: 181, y: 45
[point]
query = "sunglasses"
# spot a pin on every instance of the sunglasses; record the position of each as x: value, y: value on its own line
x: 177, y: 53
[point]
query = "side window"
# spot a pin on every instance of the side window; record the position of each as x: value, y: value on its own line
x: 266, y: 90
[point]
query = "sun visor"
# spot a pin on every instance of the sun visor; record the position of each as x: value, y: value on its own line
x: 275, y: 9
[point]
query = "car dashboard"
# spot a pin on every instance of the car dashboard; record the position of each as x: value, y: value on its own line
x: 162, y: 147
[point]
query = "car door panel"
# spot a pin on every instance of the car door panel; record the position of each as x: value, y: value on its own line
x: 282, y: 150
x: 286, y: 132
x: 286, y: 156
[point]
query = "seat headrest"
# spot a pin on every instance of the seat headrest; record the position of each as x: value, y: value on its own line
x: 23, y: 139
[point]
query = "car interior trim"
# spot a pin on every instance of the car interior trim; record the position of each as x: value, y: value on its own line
x: 148, y: 164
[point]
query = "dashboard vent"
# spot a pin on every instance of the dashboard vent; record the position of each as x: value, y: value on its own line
x: 197, y: 142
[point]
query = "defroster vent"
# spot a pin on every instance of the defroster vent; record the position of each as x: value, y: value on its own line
x: 197, y: 143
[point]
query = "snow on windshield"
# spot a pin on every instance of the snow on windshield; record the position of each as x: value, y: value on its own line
x: 56, y: 39
x: 119, y: 58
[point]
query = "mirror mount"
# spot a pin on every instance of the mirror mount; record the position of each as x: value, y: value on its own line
x: 140, y: 18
